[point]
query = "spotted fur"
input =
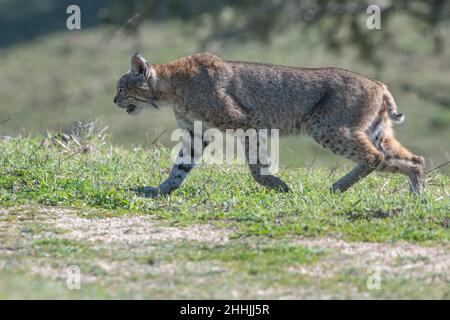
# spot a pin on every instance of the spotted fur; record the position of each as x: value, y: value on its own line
x: 345, y: 112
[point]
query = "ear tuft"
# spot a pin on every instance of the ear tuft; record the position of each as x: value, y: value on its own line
x: 140, y: 65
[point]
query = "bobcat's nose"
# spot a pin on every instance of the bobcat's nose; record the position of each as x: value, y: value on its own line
x: 115, y: 100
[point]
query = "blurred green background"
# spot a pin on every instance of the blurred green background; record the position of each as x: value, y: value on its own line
x: 51, y: 76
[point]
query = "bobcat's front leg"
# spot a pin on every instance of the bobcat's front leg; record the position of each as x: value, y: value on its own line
x: 260, y: 168
x: 185, y: 162
x: 177, y: 176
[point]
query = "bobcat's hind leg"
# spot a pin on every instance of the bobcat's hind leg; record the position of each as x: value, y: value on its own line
x: 357, y: 173
x: 346, y: 139
x: 399, y: 159
x: 359, y: 148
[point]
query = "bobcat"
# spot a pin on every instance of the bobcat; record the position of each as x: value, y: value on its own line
x: 343, y: 111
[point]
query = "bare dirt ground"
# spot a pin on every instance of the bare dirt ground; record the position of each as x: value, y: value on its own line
x: 145, y: 257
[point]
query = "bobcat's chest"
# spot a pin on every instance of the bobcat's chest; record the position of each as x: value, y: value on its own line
x: 195, y: 118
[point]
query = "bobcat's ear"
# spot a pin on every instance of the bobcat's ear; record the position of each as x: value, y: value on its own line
x: 140, y: 66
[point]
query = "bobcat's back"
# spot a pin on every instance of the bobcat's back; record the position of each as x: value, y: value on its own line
x: 273, y: 96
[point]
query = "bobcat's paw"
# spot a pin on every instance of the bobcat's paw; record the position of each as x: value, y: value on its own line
x: 149, y: 192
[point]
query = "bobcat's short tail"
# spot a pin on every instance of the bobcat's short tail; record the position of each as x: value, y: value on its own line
x: 388, y: 100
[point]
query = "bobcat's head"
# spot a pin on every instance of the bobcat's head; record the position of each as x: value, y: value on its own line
x: 135, y: 89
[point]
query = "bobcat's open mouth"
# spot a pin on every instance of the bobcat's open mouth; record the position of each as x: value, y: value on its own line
x: 131, y: 108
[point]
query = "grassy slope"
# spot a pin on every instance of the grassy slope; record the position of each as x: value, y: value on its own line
x: 33, y: 172
x: 71, y: 75
x: 264, y: 256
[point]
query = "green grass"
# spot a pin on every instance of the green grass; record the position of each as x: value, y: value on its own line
x: 51, y: 196
x: 67, y: 76
x: 380, y: 208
